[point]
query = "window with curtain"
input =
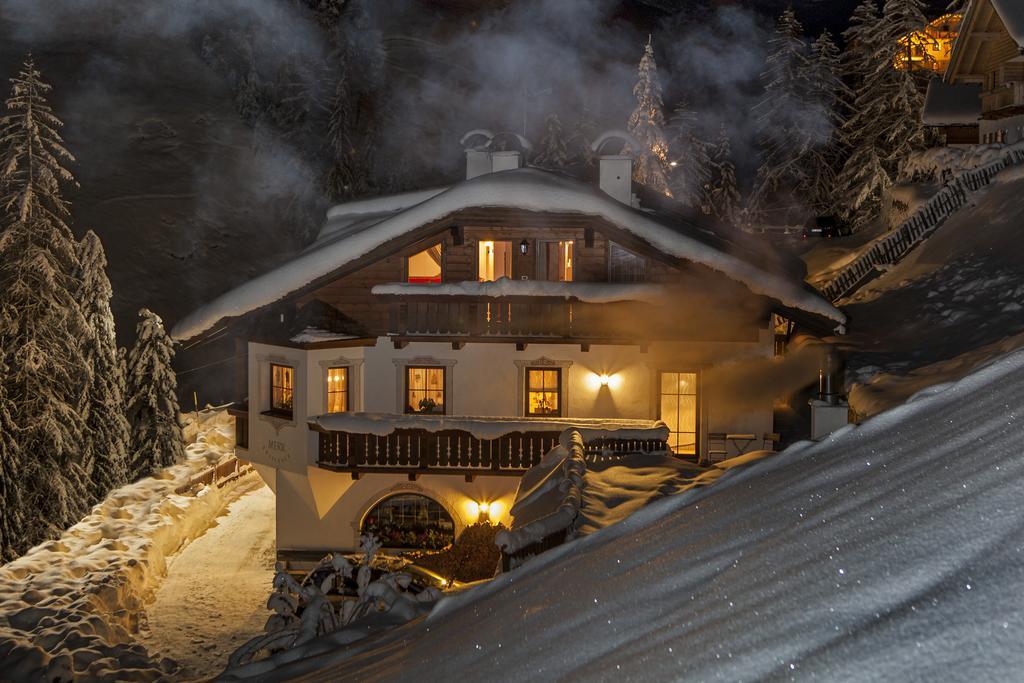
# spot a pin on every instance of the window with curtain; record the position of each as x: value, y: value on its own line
x: 337, y: 390
x: 543, y: 392
x: 425, y: 390
x: 282, y: 388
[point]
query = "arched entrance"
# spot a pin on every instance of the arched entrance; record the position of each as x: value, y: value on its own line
x: 410, y: 520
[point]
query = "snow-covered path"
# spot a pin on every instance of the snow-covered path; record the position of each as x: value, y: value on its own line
x: 214, y: 597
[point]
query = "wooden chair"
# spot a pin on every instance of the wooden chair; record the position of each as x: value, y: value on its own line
x: 718, y: 447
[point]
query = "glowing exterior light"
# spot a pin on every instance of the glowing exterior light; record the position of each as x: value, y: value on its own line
x: 524, y: 247
x: 604, y: 380
x: 484, y: 509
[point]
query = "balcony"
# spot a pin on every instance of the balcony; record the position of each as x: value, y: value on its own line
x: 531, y: 311
x: 416, y: 444
x: 1006, y: 96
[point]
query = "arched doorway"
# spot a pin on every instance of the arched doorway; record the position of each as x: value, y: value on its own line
x: 410, y: 520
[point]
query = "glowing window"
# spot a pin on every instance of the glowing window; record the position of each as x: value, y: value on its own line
x: 409, y: 520
x: 282, y: 388
x: 424, y: 390
x: 557, y: 261
x: 543, y: 391
x: 494, y: 260
x: 337, y: 390
x: 424, y: 267
x: 679, y: 410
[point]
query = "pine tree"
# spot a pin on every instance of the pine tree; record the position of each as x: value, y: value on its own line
x: 38, y: 287
x: 106, y: 438
x: 784, y: 133
x: 725, y: 194
x: 647, y: 123
x: 825, y: 90
x: 153, y: 413
x: 691, y: 166
x: 553, y: 151
x: 11, y: 505
x: 885, y: 125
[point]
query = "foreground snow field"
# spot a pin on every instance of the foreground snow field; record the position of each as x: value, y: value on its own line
x: 214, y: 597
x: 891, y: 551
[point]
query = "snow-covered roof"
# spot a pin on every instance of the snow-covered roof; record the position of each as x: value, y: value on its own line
x: 952, y: 104
x: 351, y: 217
x: 591, y: 292
x: 525, y: 189
x: 1012, y: 14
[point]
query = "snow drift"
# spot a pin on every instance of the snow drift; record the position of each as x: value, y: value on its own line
x: 69, y: 607
x: 891, y: 551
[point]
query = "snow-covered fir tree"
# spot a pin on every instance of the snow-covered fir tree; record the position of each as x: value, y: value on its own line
x: 106, y: 439
x: 787, y: 121
x: 11, y: 506
x: 826, y: 90
x: 153, y: 413
x: 885, y: 124
x: 553, y: 151
x: 41, y: 345
x: 725, y: 193
x: 647, y: 125
x: 690, y: 179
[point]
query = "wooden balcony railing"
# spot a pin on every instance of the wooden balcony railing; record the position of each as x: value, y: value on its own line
x: 460, y: 451
x: 1009, y: 95
x: 522, y: 318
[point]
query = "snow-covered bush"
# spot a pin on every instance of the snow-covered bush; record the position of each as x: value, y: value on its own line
x: 303, y: 611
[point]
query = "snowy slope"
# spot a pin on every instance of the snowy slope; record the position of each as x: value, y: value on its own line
x: 954, y: 304
x: 891, y: 551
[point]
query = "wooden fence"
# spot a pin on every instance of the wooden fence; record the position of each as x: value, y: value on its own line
x: 893, y: 247
x: 218, y: 475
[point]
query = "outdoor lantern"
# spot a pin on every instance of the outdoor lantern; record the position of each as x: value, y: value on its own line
x: 485, y: 510
x: 524, y: 247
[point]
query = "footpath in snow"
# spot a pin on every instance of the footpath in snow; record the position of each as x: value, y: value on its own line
x: 69, y: 608
x: 890, y: 551
x: 214, y: 597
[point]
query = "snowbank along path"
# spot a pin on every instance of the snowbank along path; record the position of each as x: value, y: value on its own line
x: 891, y: 551
x: 69, y: 607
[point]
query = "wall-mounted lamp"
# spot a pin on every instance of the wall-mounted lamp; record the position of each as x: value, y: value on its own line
x: 485, y: 512
x: 524, y: 247
x: 604, y: 380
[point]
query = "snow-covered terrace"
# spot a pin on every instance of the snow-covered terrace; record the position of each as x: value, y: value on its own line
x: 523, y: 189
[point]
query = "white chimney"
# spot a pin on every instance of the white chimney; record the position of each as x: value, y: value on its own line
x: 505, y: 161
x: 478, y: 162
x: 616, y: 178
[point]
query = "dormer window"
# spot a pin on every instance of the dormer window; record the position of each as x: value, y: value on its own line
x: 424, y: 267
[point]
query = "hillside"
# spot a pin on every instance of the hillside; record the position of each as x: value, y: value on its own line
x: 953, y: 305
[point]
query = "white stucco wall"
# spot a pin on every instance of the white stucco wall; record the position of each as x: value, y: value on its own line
x: 317, y: 509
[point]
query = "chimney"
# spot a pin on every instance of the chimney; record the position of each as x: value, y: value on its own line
x: 505, y: 161
x: 616, y: 179
x: 478, y: 162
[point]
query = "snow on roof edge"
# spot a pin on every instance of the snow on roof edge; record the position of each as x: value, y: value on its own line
x: 527, y: 189
x: 1012, y: 14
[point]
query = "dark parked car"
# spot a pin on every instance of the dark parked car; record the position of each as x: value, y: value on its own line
x: 826, y: 227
